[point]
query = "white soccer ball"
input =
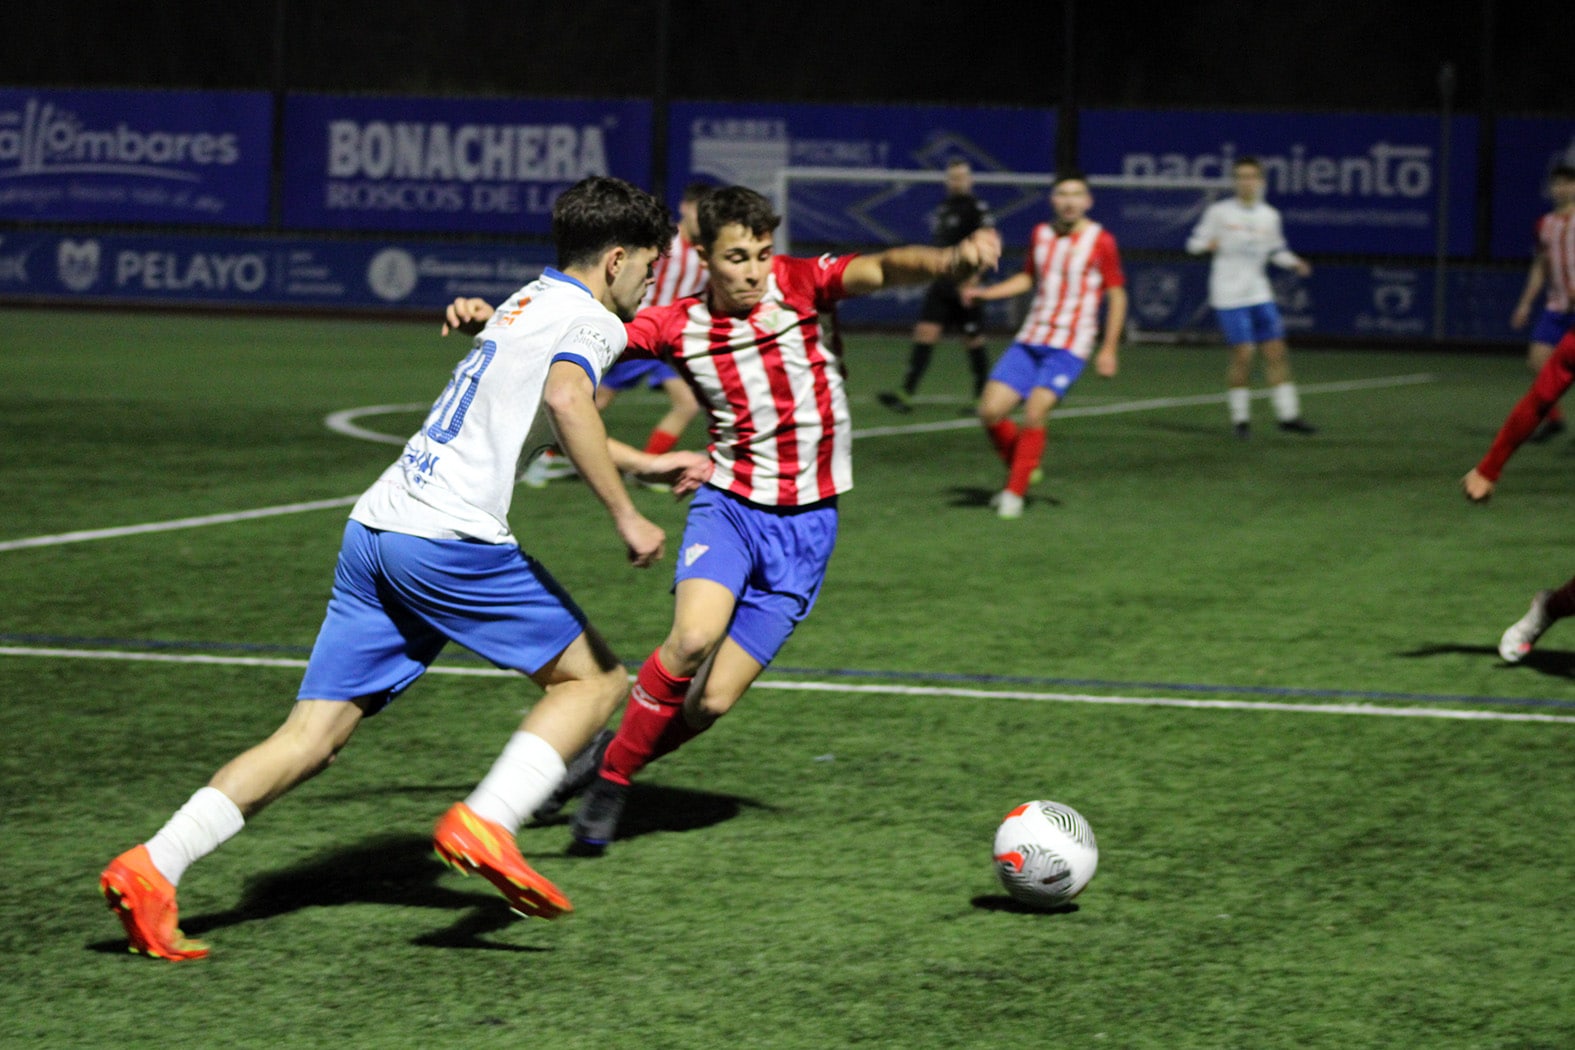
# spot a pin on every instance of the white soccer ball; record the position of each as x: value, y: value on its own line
x: 1045, y: 854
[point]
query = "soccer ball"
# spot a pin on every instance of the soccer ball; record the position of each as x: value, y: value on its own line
x: 1045, y: 854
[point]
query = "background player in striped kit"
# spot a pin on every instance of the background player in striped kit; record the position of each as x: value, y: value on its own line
x: 957, y: 216
x: 761, y: 531
x: 1243, y: 233
x: 1552, y: 268
x: 679, y: 273
x: 1072, y: 265
x: 428, y: 556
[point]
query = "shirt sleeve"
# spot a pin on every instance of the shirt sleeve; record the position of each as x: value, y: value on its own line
x: 594, y: 347
x: 818, y: 279
x: 1204, y: 232
x: 1110, y: 261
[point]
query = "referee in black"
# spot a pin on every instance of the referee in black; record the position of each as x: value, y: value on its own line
x: 958, y: 215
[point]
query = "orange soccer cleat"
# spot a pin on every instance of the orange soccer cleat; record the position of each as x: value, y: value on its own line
x: 144, y: 901
x: 468, y: 843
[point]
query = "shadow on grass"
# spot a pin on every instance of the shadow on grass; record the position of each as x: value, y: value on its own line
x: 653, y: 807
x: 1556, y: 663
x: 972, y: 496
x: 401, y: 870
x: 1001, y: 902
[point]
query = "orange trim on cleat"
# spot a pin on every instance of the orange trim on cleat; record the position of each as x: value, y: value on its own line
x: 468, y: 843
x: 144, y: 901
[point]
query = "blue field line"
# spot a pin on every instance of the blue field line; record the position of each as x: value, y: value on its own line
x: 459, y: 654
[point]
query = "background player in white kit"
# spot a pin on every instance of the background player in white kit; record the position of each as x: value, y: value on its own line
x: 1243, y: 233
x: 1553, y: 268
x: 428, y: 556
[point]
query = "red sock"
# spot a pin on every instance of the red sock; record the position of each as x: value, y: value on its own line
x: 1003, y: 436
x: 653, y: 722
x: 1555, y: 414
x: 1029, y: 451
x: 660, y: 441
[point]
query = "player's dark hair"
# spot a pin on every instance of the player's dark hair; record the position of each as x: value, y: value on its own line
x: 698, y: 191
x: 600, y: 213
x: 1562, y: 172
x: 1247, y: 161
x: 732, y: 205
x: 1068, y: 176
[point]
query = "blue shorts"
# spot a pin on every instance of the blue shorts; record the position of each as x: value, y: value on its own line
x: 772, y: 558
x: 398, y: 599
x: 1258, y: 323
x: 1024, y: 366
x: 624, y: 375
x: 1552, y: 326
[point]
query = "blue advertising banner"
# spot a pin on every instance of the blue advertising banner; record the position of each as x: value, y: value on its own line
x: 294, y: 272
x: 1524, y: 151
x: 185, y: 157
x: 750, y: 144
x: 453, y: 165
x: 1350, y: 302
x: 1351, y: 183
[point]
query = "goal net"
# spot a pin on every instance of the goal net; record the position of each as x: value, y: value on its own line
x: 828, y: 208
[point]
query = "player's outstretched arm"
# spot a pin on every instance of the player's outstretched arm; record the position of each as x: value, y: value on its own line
x: 1016, y: 284
x: 570, y: 401
x: 919, y: 264
x: 684, y: 471
x: 466, y: 316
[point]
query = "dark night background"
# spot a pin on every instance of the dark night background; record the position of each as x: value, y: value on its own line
x: 1334, y: 55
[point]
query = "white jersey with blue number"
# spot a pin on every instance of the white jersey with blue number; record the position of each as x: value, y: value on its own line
x: 1244, y: 236
x: 455, y: 478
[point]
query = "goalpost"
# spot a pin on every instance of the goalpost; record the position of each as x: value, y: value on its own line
x: 843, y: 208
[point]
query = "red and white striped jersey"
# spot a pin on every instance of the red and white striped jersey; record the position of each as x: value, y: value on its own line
x: 771, y: 383
x: 1556, y: 244
x: 678, y: 273
x: 1071, y: 273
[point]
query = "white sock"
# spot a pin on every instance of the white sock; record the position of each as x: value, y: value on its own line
x: 1239, y: 398
x: 519, y: 781
x: 202, y: 825
x: 1287, y: 405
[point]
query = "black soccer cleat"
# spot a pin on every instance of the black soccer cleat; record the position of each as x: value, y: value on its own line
x: 896, y: 401
x: 596, y: 819
x: 1243, y: 431
x: 577, y: 776
x: 1297, y: 426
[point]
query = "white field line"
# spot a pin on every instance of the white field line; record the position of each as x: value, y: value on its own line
x: 1154, y: 403
x: 944, y: 692
x: 179, y: 523
x: 344, y: 423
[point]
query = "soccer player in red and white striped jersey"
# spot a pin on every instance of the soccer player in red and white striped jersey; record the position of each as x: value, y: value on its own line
x: 1553, y: 268
x: 1073, y: 265
x: 760, y: 534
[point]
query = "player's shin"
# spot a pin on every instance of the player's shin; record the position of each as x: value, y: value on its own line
x: 653, y: 722
x: 1026, y: 455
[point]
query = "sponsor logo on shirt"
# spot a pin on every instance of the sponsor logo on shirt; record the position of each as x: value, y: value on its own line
x: 692, y: 553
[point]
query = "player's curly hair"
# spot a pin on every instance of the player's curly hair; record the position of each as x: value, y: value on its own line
x: 732, y: 205
x: 602, y: 212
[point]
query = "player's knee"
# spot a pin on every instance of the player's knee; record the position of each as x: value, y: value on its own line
x: 687, y: 648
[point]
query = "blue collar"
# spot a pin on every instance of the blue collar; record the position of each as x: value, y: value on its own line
x: 558, y: 275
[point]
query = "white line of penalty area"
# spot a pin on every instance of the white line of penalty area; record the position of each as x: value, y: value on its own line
x: 885, y: 690
x: 344, y: 423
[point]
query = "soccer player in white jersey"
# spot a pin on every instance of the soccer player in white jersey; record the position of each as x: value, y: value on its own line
x: 1553, y: 268
x: 1072, y: 264
x: 679, y: 273
x: 1243, y: 233
x: 760, y: 532
x: 428, y: 556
